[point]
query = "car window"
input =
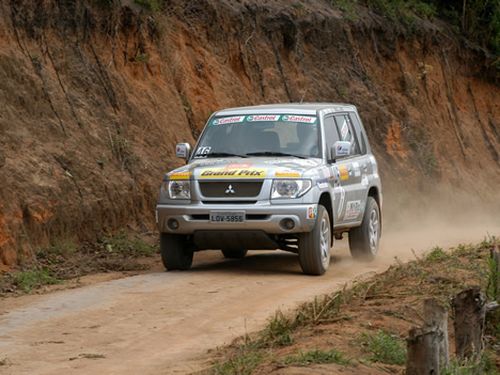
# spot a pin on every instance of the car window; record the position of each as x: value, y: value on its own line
x: 346, y: 133
x: 359, y: 132
x: 294, y: 134
x: 331, y: 135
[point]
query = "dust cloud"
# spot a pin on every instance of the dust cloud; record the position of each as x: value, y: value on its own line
x: 413, y: 224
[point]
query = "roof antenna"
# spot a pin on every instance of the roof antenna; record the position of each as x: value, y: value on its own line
x: 303, y: 95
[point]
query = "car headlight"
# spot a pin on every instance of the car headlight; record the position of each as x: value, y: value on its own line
x: 177, y: 189
x: 290, y: 188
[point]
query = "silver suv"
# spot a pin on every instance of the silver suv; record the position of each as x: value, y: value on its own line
x: 287, y: 176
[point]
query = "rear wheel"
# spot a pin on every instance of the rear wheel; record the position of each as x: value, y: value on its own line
x: 234, y: 253
x: 314, y: 246
x: 175, y: 254
x: 364, y: 240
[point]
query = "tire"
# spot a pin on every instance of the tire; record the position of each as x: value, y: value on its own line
x: 364, y: 240
x: 314, y: 246
x: 234, y: 253
x: 175, y: 255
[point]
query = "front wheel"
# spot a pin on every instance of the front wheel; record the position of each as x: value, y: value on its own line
x: 364, y: 240
x: 175, y: 254
x: 314, y: 246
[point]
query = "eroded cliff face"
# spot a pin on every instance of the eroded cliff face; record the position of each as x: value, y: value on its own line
x: 94, y: 98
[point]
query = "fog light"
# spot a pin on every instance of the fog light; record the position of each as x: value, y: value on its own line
x: 173, y: 224
x: 287, y: 224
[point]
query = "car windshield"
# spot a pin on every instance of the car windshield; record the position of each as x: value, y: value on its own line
x: 260, y: 135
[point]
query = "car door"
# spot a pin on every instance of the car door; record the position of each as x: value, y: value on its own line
x: 351, y: 209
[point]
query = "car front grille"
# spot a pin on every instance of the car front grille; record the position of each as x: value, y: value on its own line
x: 222, y: 189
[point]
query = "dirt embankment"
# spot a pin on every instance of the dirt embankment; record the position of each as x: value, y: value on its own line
x: 93, y: 98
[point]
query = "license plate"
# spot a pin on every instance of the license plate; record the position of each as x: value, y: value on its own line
x: 227, y: 217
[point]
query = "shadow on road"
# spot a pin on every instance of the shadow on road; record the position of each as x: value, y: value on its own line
x: 256, y: 262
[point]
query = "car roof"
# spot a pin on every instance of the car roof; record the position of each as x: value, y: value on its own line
x: 291, y: 108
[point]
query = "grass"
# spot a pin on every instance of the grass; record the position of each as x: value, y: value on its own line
x: 437, y: 254
x: 348, y: 7
x: 384, y: 348
x: 151, y: 5
x: 245, y: 360
x: 484, y: 366
x: 278, y: 332
x: 493, y: 279
x: 33, y: 279
x: 126, y: 245
x: 317, y: 356
x: 65, y: 259
x: 395, y: 294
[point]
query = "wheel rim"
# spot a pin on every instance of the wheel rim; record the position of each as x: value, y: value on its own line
x: 325, y: 241
x: 373, y: 231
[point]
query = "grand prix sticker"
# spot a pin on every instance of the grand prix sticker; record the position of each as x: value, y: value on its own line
x: 344, y: 173
x: 352, y: 210
x: 228, y: 120
x: 298, y: 118
x: 254, y: 118
x: 180, y: 176
x: 233, y: 173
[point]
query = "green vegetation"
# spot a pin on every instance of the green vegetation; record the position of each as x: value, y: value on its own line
x: 348, y: 7
x: 397, y: 294
x: 65, y: 259
x: 32, y: 279
x: 384, y: 348
x: 484, y: 366
x: 278, y: 332
x: 243, y: 362
x: 437, y: 254
x: 478, y: 20
x: 141, y: 58
x: 152, y: 5
x: 317, y: 356
x: 128, y: 246
x: 493, y: 279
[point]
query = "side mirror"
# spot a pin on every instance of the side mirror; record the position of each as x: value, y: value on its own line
x: 340, y: 149
x: 183, y: 150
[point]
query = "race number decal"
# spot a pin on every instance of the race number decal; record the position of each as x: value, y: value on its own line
x: 204, y: 150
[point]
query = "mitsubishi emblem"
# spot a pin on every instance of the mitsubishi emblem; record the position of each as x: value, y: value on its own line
x: 230, y: 190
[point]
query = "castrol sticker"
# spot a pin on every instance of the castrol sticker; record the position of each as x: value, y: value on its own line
x: 299, y: 118
x: 228, y: 120
x: 254, y: 118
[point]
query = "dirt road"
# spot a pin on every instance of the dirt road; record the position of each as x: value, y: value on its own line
x: 164, y: 322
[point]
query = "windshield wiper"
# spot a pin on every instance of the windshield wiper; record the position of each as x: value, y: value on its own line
x: 273, y: 153
x: 222, y: 154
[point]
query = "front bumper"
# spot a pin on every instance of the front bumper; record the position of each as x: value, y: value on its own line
x: 261, y: 216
